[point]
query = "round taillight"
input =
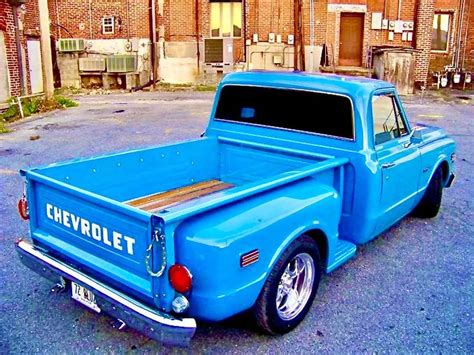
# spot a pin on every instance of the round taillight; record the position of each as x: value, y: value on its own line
x: 23, y: 208
x: 180, y: 278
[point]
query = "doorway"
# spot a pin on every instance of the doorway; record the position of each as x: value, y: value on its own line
x: 35, y: 65
x: 4, y: 84
x: 351, y: 39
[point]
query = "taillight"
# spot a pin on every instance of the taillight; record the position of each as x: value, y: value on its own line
x: 23, y: 208
x: 180, y: 278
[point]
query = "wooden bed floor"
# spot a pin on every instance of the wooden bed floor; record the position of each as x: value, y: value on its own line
x: 162, y: 200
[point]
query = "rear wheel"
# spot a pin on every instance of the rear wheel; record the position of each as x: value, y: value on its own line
x: 430, y: 203
x: 290, y: 289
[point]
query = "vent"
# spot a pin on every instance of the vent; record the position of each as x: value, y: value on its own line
x: 71, y: 45
x: 121, y: 63
x: 213, y: 50
x: 249, y: 258
x: 92, y: 64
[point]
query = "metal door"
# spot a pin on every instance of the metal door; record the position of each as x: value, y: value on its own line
x: 4, y: 85
x: 350, y: 39
x: 35, y: 65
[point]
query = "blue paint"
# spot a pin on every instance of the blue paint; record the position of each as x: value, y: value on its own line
x: 286, y: 183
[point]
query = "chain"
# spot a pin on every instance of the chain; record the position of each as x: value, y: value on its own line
x: 158, y: 238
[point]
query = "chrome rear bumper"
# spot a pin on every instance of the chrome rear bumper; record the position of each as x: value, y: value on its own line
x: 157, y: 325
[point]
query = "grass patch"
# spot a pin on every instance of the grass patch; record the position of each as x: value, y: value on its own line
x: 211, y: 88
x: 3, y: 128
x: 35, y: 105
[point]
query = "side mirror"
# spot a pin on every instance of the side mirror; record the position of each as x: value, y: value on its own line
x: 416, y: 136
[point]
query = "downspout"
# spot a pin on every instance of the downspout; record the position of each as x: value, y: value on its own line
x: 153, y: 42
x: 295, y: 30
x: 244, y: 28
x: 196, y: 23
x: 466, y: 32
x: 399, y: 9
x: 90, y: 19
x: 311, y: 35
x: 459, y: 34
x: 18, y: 49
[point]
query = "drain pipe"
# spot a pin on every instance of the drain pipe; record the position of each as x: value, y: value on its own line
x: 399, y: 9
x: 18, y: 49
x: 153, y: 42
x: 311, y: 35
x: 196, y: 23
x: 459, y: 34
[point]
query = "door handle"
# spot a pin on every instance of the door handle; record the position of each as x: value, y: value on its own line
x: 388, y: 165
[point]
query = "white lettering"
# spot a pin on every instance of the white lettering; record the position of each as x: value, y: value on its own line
x: 57, y: 215
x: 96, y: 232
x: 75, y: 222
x: 117, y: 238
x: 85, y: 227
x: 130, y: 243
x: 66, y: 219
x: 105, y: 236
x: 49, y: 209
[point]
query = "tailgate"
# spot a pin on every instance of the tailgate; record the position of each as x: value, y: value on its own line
x: 102, y: 236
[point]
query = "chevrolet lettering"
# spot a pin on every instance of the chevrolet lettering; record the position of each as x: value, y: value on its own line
x: 89, y: 229
x: 292, y: 173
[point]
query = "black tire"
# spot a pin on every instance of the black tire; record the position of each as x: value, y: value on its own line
x: 430, y: 203
x: 265, y: 310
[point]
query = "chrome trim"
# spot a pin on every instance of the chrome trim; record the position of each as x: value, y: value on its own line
x: 181, y: 329
x: 289, y: 129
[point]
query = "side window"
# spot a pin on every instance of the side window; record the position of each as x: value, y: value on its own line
x: 388, y: 123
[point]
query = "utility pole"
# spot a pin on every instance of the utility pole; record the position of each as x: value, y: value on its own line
x: 47, y: 62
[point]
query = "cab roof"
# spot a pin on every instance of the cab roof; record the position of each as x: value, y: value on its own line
x: 338, y: 84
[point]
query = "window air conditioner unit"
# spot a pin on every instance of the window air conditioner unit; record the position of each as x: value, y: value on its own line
x: 92, y: 64
x: 66, y: 45
x: 121, y: 63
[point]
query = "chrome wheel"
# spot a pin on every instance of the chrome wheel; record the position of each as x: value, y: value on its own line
x: 295, y: 286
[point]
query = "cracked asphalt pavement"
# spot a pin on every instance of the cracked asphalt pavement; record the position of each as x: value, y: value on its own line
x: 410, y: 290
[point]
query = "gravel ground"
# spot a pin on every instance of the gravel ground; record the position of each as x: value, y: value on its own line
x: 410, y: 290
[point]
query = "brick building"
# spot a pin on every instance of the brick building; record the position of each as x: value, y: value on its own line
x: 342, y: 33
x: 202, y: 39
x: 11, y: 81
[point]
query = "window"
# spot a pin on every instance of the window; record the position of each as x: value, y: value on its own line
x: 440, y: 36
x: 108, y: 25
x: 226, y: 19
x: 299, y: 110
x: 388, y: 123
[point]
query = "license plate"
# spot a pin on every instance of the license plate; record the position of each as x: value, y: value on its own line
x: 84, y: 296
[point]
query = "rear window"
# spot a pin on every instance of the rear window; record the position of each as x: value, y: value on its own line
x: 307, y: 111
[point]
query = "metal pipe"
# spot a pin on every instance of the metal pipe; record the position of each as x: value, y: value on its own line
x: 466, y: 32
x: 311, y: 34
x: 399, y: 9
x: 153, y: 42
x: 196, y: 23
x: 90, y: 19
x: 459, y: 34
x: 19, y: 52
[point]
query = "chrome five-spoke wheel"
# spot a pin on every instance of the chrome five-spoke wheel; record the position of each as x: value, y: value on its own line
x: 295, y: 286
x: 290, y: 288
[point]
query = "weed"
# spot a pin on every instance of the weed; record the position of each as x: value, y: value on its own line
x: 65, y: 101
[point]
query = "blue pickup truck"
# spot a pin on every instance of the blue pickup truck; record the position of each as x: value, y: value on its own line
x: 292, y: 173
